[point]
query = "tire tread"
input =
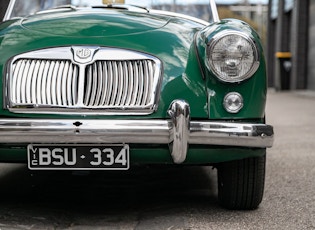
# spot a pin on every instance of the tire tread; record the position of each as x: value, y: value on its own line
x: 241, y: 183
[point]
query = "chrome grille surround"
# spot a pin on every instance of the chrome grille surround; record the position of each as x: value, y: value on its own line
x: 83, y: 80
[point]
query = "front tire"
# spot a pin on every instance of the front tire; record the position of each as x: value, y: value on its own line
x: 241, y: 183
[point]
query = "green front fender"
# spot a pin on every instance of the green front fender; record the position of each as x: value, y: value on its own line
x: 253, y: 90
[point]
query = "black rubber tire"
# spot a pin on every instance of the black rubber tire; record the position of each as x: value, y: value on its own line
x: 241, y: 183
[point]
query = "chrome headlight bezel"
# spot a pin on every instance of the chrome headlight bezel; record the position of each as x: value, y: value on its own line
x: 251, y: 52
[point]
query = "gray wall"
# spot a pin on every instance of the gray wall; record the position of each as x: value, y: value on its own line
x: 311, y: 59
x: 289, y: 32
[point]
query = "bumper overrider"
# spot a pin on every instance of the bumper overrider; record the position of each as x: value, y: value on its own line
x: 178, y: 131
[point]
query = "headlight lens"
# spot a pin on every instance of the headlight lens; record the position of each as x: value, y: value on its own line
x: 232, y: 56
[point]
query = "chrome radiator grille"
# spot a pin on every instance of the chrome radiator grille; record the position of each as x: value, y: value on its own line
x: 118, y: 83
x: 83, y: 80
x: 44, y: 82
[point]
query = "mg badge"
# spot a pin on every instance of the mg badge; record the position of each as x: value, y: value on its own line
x: 83, y: 53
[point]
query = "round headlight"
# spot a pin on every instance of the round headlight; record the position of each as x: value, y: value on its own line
x: 232, y: 56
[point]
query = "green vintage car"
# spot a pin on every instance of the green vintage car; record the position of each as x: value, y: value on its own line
x: 96, y: 85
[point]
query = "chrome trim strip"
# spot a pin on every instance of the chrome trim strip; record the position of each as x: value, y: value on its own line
x: 214, y: 10
x: 132, y: 131
x: 9, y: 10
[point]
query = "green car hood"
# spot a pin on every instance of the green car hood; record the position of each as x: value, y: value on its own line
x: 169, y: 39
x: 93, y: 23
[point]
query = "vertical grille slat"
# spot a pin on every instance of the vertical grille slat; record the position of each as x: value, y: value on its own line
x: 141, y: 81
x: 129, y: 73
x: 41, y: 70
x: 146, y: 80
x: 36, y: 81
x: 99, y: 73
x: 114, y: 82
x: 47, y: 87
x: 109, y: 71
x: 68, y: 85
x: 150, y: 73
x: 126, y: 84
x: 53, y: 84
x: 88, y: 83
x: 105, y: 83
x: 136, y: 83
x: 120, y: 83
x: 58, y: 83
x: 64, y: 80
x: 75, y: 85
x: 43, y: 98
x: 94, y: 85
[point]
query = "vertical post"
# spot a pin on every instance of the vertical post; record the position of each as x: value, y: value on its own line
x: 247, y: 13
x: 299, y: 43
x: 283, y: 41
x: 270, y: 47
x: 174, y: 6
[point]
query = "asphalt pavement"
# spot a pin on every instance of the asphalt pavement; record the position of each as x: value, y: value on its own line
x: 289, y: 201
x: 173, y: 197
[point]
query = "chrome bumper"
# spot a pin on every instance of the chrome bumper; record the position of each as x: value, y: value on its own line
x: 178, y: 132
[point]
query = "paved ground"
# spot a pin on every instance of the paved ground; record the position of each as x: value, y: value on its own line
x: 173, y: 198
x: 290, y: 187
